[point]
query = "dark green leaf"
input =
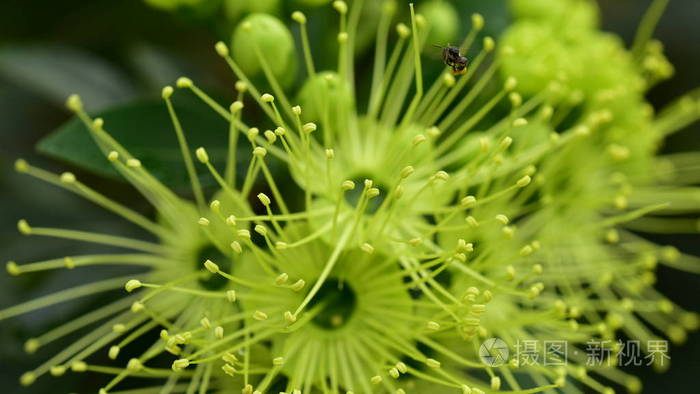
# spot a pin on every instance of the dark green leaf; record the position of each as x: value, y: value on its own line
x: 145, y: 130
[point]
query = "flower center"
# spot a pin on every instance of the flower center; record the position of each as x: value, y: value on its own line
x: 210, y: 252
x: 339, y: 302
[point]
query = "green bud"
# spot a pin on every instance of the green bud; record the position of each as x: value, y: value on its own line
x: 273, y: 41
x: 443, y: 22
x: 326, y: 92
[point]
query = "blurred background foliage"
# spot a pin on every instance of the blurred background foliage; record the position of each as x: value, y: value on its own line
x: 118, y: 55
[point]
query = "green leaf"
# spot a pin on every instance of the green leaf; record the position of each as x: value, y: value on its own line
x: 145, y: 130
x: 58, y: 71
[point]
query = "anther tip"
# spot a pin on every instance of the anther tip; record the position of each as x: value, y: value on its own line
x: 74, y: 103
x: 184, y: 82
x: 167, y: 92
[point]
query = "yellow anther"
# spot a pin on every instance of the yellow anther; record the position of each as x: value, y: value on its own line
x: 278, y: 361
x: 432, y: 363
x: 280, y: 245
x: 245, y: 234
x: 415, y: 242
x: 219, y: 332
x: 74, y: 103
x: 519, y: 122
x: 204, y: 222
x: 184, y: 82
x: 403, y: 30
x: 260, y: 229
x: 515, y: 99
x: 236, y: 246
x: 211, y: 267
x: 180, y: 364
x: 477, y: 21
x: 367, y: 248
x: 21, y: 165
x: 57, y: 370
x: 137, y: 307
x: 119, y: 328
x: 471, y: 221
x: 280, y: 131
x: 133, y: 163
x: 525, y: 251
x: 202, y: 155
x: 503, y: 219
x: 297, y: 110
x: 167, y: 92
x: 340, y: 6
x: 298, y: 285
x: 448, y: 80
x: 113, y: 156
x: 376, y: 379
x: 260, y: 315
x: 252, y: 133
x: 394, y: 373
x: 299, y: 17
x: 241, y: 86
x: 221, y: 49
x: 281, y: 279
x: 264, y: 199
x: 24, y: 227
x: 348, y: 185
x: 582, y: 130
x: 134, y: 365
x: 267, y: 98
x: 467, y: 201
x: 78, y: 366
x: 259, y: 152
x: 309, y: 127
x: 495, y: 383
x: 407, y: 171
x: 484, y: 144
x: 330, y: 154
x: 231, y: 295
x: 524, y: 181
x: 372, y: 192
x: 289, y: 317
x: 433, y: 326
x: 27, y: 378
x: 12, y: 268
x: 418, y: 139
x: 132, y: 285
x: 506, y: 142
x: 270, y: 136
x: 31, y: 345
x: 236, y: 106
x: 511, y: 83
x: 205, y: 323
x: 401, y: 367
x: 489, y: 44
x: 510, y: 272
x: 215, y: 206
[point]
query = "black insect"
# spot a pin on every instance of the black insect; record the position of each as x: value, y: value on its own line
x: 454, y: 59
